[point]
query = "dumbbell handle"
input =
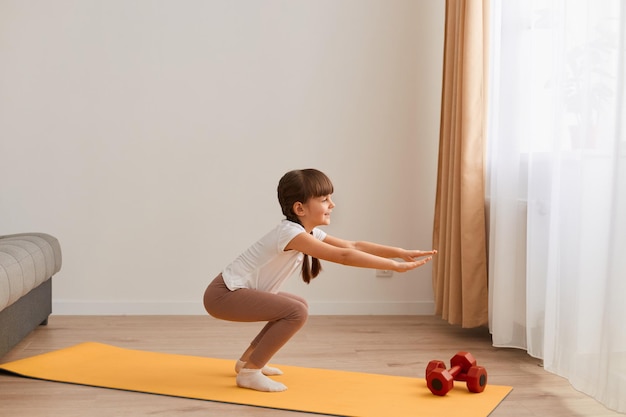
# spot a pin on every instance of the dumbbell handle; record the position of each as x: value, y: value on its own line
x: 454, y: 371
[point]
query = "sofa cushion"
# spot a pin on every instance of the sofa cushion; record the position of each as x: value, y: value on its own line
x: 26, y: 261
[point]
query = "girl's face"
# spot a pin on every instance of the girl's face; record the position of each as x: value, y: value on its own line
x: 316, y: 212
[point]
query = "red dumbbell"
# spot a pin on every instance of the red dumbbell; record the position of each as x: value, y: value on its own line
x: 463, y: 368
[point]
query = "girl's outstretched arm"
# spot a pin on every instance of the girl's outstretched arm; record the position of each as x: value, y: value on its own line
x: 360, y: 254
x: 379, y: 250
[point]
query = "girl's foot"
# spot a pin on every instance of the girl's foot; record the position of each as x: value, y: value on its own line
x: 254, y: 379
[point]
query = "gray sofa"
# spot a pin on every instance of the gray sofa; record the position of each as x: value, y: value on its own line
x: 27, y: 263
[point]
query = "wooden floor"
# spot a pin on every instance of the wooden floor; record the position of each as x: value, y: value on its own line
x: 393, y: 345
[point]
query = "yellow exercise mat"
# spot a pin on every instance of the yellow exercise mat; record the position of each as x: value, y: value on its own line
x: 322, y: 391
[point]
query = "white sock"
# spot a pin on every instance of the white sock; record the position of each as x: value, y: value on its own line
x: 254, y: 379
x: 267, y: 370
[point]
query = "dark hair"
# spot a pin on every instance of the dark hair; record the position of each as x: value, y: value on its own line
x: 301, y: 185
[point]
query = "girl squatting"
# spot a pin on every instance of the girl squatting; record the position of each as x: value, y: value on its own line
x: 248, y: 289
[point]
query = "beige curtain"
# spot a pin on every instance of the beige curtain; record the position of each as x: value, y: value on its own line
x: 459, y: 234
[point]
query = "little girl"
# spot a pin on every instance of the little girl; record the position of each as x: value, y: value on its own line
x: 247, y: 290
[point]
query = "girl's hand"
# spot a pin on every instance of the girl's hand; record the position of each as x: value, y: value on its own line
x: 411, y: 255
x: 411, y: 264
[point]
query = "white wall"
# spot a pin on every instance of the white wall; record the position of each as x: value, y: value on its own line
x: 149, y: 136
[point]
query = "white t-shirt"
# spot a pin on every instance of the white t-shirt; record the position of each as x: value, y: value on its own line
x: 266, y: 265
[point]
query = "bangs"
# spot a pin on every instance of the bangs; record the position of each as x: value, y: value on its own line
x: 318, y: 183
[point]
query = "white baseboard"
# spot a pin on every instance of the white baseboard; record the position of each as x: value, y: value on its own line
x: 78, y: 308
x: 416, y: 308
x: 134, y: 308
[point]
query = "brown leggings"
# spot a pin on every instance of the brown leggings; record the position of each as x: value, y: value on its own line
x: 285, y: 314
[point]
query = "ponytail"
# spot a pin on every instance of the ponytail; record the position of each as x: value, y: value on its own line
x: 310, y: 272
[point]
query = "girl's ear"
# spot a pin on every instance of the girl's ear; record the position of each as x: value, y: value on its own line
x: 298, y: 208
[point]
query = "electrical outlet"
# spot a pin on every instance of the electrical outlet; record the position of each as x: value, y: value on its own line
x: 384, y: 273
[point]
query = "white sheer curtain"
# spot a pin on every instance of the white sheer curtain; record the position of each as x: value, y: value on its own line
x: 557, y: 188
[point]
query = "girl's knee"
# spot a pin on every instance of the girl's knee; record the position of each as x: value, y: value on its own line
x: 300, y: 312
